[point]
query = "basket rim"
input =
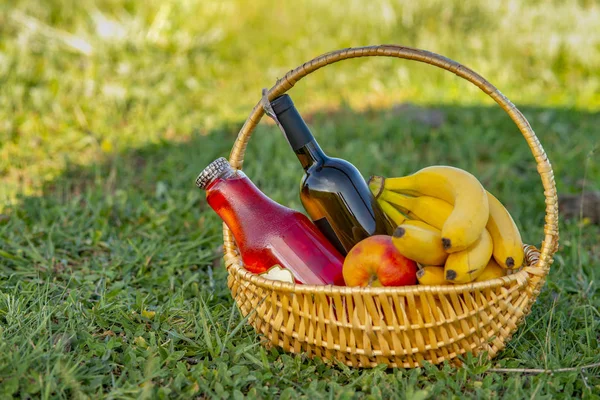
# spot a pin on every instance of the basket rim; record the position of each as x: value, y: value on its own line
x: 520, y: 277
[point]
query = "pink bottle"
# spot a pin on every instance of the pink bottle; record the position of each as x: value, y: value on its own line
x: 268, y: 233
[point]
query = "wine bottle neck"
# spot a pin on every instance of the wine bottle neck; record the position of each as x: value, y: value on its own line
x: 297, y: 133
x: 310, y: 154
x: 296, y: 130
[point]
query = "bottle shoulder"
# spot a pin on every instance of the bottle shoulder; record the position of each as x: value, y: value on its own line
x: 339, y: 163
x: 333, y: 172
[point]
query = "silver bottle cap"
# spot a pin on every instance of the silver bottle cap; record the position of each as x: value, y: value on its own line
x: 212, y: 171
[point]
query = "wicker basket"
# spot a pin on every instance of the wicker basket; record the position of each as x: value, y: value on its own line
x: 397, y: 326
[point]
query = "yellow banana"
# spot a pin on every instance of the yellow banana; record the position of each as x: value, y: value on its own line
x: 465, y: 266
x: 491, y: 271
x: 421, y: 224
x: 429, y: 209
x: 508, y: 247
x: 456, y: 186
x: 431, y: 275
x: 422, y: 244
x: 392, y: 212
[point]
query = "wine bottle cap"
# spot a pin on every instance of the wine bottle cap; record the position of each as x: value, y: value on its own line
x: 282, y: 103
x: 212, y: 171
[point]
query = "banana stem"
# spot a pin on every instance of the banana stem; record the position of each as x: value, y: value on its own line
x: 396, y: 216
x: 376, y: 184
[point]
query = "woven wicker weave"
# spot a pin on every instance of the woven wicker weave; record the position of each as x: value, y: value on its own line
x: 397, y: 326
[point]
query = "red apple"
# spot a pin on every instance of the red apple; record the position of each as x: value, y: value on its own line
x: 375, y: 261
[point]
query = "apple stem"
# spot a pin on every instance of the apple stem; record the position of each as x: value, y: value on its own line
x: 372, y: 279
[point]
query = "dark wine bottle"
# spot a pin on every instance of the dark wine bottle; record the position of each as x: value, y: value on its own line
x: 333, y: 192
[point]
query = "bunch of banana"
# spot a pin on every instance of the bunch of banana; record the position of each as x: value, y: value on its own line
x: 446, y: 218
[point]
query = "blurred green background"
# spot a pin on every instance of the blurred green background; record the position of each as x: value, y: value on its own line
x: 84, y: 78
x: 111, y: 280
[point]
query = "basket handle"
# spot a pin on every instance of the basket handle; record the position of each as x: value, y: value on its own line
x: 550, y: 242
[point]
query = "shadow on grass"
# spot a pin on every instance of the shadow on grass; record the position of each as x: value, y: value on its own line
x: 392, y: 141
x: 148, y: 193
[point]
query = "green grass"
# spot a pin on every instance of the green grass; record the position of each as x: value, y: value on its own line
x: 110, y: 278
